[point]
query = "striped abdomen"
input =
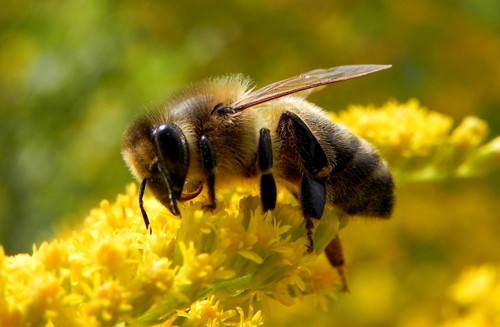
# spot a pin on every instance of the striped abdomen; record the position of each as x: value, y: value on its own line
x: 360, y: 183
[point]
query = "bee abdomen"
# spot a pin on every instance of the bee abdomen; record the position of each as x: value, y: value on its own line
x: 361, y: 183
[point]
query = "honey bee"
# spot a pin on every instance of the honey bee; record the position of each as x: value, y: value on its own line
x: 221, y: 131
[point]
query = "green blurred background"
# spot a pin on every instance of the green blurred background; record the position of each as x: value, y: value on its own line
x: 74, y: 73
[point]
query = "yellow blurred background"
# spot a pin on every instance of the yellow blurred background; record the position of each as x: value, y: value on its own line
x: 74, y: 73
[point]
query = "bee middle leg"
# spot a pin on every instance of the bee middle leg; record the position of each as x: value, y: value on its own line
x: 209, y: 161
x: 265, y: 160
x: 316, y: 166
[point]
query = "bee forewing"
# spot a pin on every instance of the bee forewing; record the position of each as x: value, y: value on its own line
x: 305, y: 81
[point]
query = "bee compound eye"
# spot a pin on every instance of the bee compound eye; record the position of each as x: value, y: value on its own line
x: 173, y: 154
x: 221, y: 109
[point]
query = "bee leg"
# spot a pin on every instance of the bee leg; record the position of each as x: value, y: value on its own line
x: 209, y: 162
x: 312, y: 154
x: 336, y: 258
x: 317, y: 169
x: 312, y: 199
x: 267, y: 183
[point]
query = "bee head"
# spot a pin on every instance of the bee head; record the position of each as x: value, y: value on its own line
x: 169, y: 172
x: 159, y: 157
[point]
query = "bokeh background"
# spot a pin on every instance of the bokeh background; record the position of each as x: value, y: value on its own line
x: 74, y: 73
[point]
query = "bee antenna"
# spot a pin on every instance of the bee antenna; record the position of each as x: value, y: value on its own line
x: 141, y: 205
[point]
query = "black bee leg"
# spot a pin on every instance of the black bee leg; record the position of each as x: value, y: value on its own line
x: 312, y: 199
x: 336, y: 258
x: 267, y: 183
x: 141, y: 206
x: 316, y: 166
x: 209, y: 162
x: 313, y: 156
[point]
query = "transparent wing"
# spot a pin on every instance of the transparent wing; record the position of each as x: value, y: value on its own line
x: 306, y: 81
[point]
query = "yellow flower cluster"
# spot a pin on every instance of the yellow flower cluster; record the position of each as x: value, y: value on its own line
x: 216, y: 268
x: 475, y: 298
x: 206, y: 269
x: 420, y: 144
x: 402, y: 129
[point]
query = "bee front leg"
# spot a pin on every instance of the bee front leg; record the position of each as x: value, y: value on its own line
x: 209, y: 162
x: 316, y: 169
x: 267, y: 183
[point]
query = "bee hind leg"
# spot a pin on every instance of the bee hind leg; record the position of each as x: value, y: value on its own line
x: 265, y: 160
x: 209, y: 162
x: 316, y: 170
x: 335, y: 256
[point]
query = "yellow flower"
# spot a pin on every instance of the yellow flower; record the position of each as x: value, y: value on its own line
x: 470, y: 133
x: 475, y: 298
x: 474, y: 285
x: 420, y: 144
x: 405, y: 130
x: 483, y: 159
x: 206, y: 269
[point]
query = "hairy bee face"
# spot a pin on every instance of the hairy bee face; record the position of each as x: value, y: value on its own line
x: 138, y: 149
x: 159, y: 156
